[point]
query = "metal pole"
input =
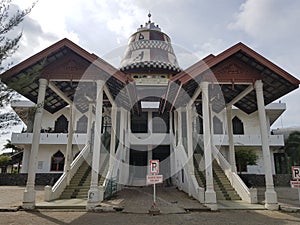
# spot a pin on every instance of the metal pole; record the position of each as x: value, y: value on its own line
x: 154, y: 194
x: 299, y: 194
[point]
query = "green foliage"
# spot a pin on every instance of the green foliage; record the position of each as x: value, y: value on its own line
x: 8, y: 46
x: 245, y: 157
x: 4, y: 160
x: 9, y: 145
x: 9, y: 21
x: 292, y: 147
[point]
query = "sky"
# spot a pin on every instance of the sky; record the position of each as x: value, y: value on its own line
x: 199, y: 27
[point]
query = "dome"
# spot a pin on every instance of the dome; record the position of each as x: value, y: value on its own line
x: 149, y: 50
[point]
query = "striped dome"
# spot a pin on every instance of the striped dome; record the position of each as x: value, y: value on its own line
x: 149, y: 50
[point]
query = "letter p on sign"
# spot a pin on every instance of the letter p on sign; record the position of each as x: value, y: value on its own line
x: 296, y: 172
x: 154, y: 166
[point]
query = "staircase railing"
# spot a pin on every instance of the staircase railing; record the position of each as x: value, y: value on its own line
x: 54, y: 192
x: 111, y: 181
x: 197, y: 192
x: 248, y: 195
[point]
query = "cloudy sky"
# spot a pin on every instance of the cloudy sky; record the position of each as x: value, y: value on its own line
x: 200, y: 27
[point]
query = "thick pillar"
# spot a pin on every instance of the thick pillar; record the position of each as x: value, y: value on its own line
x: 25, y: 160
x: 179, y: 126
x: 95, y: 195
x: 210, y: 194
x: 127, y: 117
x: 189, y: 125
x: 175, y: 128
x: 270, y: 194
x: 89, y: 125
x: 230, y: 139
x: 69, y: 155
x: 29, y: 193
x: 112, y: 155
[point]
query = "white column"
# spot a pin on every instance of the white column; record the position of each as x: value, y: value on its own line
x: 95, y: 195
x: 25, y: 160
x: 112, y: 155
x: 69, y: 155
x: 29, y: 193
x: 210, y: 194
x: 270, y: 194
x: 230, y: 139
x: 122, y: 179
x: 150, y: 124
x: 176, y: 127
x: 179, y: 126
x: 189, y: 125
x: 89, y: 125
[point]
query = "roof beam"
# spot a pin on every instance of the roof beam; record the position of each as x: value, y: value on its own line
x: 109, y: 96
x: 245, y: 92
x: 195, y: 96
x: 57, y: 91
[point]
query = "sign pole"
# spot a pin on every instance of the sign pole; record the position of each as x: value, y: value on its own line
x: 153, y: 179
x: 295, y: 182
x: 154, y: 194
x: 299, y: 194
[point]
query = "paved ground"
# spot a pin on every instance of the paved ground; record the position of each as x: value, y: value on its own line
x: 141, y: 199
x: 232, y: 217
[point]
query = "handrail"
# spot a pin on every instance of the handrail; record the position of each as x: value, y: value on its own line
x: 197, y: 192
x: 237, y: 183
x: 114, y: 164
x: 54, y: 192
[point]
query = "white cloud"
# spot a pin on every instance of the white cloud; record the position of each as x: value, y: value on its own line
x: 270, y: 27
x: 268, y: 19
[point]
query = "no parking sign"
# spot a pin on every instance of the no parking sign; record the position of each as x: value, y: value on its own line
x: 296, y: 172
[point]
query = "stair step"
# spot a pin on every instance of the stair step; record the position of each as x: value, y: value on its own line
x: 222, y: 186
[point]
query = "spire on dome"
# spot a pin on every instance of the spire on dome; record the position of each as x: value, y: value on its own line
x: 149, y: 15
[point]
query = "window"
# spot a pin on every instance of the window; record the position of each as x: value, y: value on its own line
x: 61, y: 125
x: 160, y: 123
x: 139, y: 123
x: 218, y: 126
x: 82, y: 124
x: 57, y: 161
x: 237, y: 126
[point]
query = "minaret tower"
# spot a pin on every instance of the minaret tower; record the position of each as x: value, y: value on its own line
x: 149, y: 57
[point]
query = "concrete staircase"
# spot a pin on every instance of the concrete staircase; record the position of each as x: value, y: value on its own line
x: 80, y: 183
x: 222, y: 186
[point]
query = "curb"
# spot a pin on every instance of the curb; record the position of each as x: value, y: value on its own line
x: 10, y: 209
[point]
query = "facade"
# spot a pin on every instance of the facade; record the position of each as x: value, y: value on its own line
x: 85, y: 111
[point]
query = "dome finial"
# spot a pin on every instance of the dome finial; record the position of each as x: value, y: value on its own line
x: 149, y: 15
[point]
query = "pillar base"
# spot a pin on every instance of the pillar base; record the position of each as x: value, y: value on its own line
x: 271, y: 200
x: 212, y: 206
x: 95, y: 197
x: 29, y: 198
x: 210, y: 196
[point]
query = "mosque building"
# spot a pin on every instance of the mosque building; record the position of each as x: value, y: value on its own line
x: 100, y: 126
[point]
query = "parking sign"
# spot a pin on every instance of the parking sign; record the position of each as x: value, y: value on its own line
x: 154, y: 166
x: 296, y: 172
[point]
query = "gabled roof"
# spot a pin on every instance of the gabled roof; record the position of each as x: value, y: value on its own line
x: 67, y: 65
x: 233, y: 69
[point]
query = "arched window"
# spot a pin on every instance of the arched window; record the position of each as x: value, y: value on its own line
x: 218, y: 126
x: 61, y: 125
x: 57, y: 161
x: 199, y: 125
x: 82, y: 124
x: 237, y: 126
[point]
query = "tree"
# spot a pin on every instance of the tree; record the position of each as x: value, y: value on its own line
x: 4, y: 160
x: 292, y: 148
x: 14, y: 148
x: 245, y: 157
x: 8, y: 22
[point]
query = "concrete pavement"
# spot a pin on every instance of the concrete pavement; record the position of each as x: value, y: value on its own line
x: 139, y: 200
